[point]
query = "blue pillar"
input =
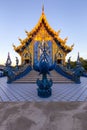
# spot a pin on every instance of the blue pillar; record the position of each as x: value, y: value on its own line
x: 50, y: 50
x: 36, y: 52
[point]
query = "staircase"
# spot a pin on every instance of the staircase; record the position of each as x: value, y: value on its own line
x: 58, y: 78
x: 33, y: 76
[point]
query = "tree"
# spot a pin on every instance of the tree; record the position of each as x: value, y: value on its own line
x: 83, y: 61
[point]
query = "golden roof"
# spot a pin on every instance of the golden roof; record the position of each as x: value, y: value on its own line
x: 33, y: 32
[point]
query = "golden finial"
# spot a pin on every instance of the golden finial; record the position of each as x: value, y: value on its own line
x: 43, y: 9
x: 65, y: 40
x: 26, y: 32
x: 72, y: 46
x: 14, y: 46
x: 20, y: 39
x: 59, y: 31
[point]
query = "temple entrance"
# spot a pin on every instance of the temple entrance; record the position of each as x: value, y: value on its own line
x: 59, y: 57
x: 27, y: 61
x: 38, y: 49
x: 27, y: 56
x: 59, y: 61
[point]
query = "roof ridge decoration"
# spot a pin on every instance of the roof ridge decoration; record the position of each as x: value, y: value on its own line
x: 42, y: 8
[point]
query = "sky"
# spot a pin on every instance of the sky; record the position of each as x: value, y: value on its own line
x: 16, y: 16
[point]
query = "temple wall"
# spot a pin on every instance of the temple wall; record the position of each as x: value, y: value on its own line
x: 58, y: 54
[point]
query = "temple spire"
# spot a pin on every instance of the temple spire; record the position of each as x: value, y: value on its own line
x: 78, y: 57
x: 8, y: 61
x: 8, y: 55
x: 78, y: 62
x: 43, y: 9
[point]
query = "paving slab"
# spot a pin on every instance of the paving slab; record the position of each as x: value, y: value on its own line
x: 28, y: 92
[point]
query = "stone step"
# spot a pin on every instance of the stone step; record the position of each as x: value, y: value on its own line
x: 33, y: 76
x: 34, y: 81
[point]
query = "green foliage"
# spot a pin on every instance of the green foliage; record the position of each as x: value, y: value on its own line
x: 73, y: 64
x: 83, y: 61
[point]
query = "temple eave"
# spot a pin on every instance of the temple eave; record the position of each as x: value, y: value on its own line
x: 57, y: 39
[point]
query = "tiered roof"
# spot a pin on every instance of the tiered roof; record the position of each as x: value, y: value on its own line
x: 55, y: 35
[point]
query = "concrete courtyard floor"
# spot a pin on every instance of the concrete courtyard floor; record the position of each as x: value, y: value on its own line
x: 22, y: 109
x: 43, y: 116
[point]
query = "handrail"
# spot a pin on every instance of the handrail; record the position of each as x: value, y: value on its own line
x: 65, y: 73
x: 17, y: 74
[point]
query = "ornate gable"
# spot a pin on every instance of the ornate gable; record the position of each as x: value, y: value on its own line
x: 43, y: 31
